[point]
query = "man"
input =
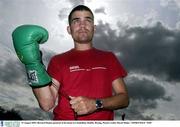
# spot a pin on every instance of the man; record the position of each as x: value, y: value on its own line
x: 87, y: 82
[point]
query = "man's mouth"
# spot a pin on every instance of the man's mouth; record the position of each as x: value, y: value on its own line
x: 83, y: 31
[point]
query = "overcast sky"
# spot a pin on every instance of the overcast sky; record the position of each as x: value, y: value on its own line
x: 144, y: 35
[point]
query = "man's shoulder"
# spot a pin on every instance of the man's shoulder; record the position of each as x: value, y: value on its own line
x: 61, y: 55
x: 104, y: 52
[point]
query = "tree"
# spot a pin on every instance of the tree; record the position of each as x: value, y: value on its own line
x: 9, y: 114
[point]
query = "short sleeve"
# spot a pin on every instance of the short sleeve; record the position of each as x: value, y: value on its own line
x: 116, y: 68
x: 53, y: 69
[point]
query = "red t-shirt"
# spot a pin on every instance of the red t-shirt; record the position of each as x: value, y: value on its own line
x: 87, y: 73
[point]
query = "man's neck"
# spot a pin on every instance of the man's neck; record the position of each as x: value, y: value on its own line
x: 82, y: 47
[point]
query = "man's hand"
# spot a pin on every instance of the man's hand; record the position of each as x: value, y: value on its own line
x: 83, y: 105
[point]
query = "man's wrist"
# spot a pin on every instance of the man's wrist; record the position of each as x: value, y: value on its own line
x: 99, y: 104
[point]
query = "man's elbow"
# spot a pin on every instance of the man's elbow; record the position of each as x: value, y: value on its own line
x: 126, y: 101
x: 46, y: 106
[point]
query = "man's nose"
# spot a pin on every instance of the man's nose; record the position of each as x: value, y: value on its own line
x: 82, y: 23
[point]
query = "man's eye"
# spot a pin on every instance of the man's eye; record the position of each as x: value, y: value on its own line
x: 78, y: 21
x: 75, y: 21
x: 89, y: 20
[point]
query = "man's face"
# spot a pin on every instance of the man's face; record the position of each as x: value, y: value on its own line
x: 81, y: 27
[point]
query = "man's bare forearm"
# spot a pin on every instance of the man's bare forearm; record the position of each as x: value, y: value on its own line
x: 45, y: 97
x: 116, y: 102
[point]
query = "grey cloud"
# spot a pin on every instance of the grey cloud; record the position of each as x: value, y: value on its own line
x: 148, y: 50
x: 9, y: 114
x: 63, y: 13
x: 29, y: 113
x: 47, y: 55
x: 76, y: 2
x: 100, y: 10
x: 12, y: 72
x: 18, y: 12
x: 133, y: 114
x: 146, y: 90
x: 137, y: 108
x: 144, y: 95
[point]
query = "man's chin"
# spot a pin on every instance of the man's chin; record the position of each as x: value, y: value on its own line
x: 83, y: 42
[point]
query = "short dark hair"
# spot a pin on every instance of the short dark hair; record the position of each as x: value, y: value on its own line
x: 79, y: 8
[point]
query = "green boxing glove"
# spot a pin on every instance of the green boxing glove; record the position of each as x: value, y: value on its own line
x: 26, y: 40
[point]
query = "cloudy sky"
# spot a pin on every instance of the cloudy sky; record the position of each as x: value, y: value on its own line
x: 144, y: 35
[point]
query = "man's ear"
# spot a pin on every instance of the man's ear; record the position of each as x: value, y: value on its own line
x: 69, y: 29
x: 94, y: 28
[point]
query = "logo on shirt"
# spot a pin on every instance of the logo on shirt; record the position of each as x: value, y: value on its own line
x: 77, y: 68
